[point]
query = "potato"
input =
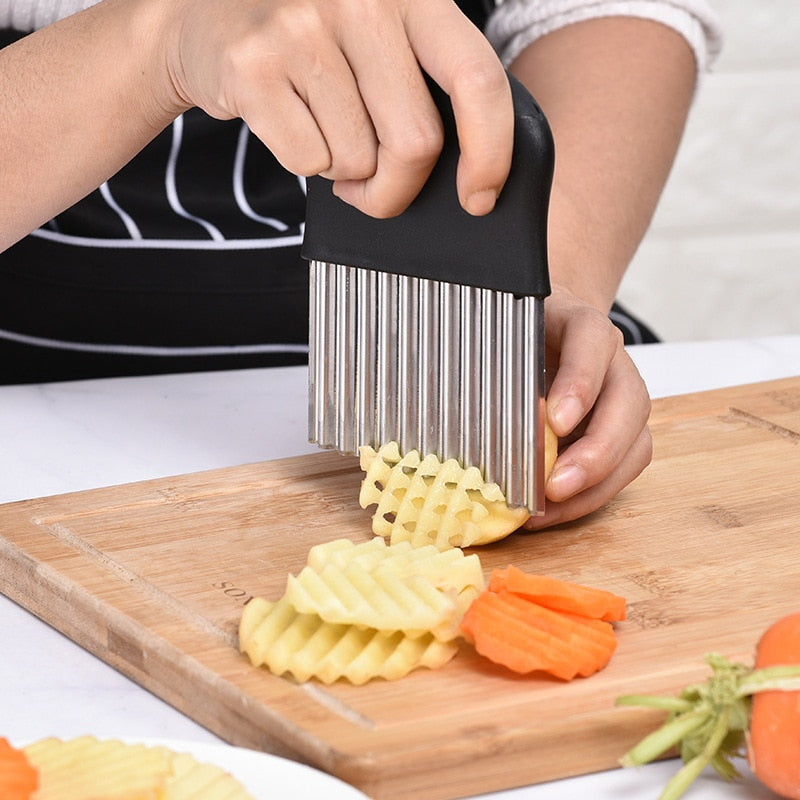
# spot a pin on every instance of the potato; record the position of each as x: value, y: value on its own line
x: 277, y: 636
x: 87, y: 767
x: 426, y: 501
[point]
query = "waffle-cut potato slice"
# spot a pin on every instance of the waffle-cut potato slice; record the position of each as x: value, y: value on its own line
x: 445, y: 569
x: 389, y: 587
x: 383, y: 601
x: 277, y: 636
x: 345, y: 551
x: 195, y: 780
x: 426, y: 501
x: 86, y: 768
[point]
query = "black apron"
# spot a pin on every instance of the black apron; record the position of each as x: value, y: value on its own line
x: 188, y: 259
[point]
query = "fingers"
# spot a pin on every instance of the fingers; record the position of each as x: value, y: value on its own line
x: 285, y: 73
x: 469, y: 71
x: 336, y: 87
x: 336, y: 115
x: 406, y: 123
x: 408, y: 129
x: 617, y: 420
x: 597, y: 404
x: 589, y: 500
x: 298, y: 144
x: 484, y: 112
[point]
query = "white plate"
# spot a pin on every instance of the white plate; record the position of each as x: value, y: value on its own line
x: 265, y: 776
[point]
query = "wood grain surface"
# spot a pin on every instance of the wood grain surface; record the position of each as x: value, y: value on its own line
x: 152, y: 576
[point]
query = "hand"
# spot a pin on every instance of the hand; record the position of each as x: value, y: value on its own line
x: 598, y: 406
x: 335, y: 88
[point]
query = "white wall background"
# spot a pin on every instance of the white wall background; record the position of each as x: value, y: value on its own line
x: 722, y: 257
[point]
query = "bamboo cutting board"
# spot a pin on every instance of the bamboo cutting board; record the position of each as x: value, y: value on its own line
x: 152, y: 577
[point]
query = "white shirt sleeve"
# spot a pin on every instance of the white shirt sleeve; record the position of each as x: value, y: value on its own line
x: 511, y: 28
x: 517, y: 23
x: 29, y: 15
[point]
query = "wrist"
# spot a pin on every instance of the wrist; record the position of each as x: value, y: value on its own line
x: 154, y: 30
x: 586, y: 274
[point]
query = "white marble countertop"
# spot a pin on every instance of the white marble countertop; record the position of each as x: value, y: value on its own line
x: 57, y: 438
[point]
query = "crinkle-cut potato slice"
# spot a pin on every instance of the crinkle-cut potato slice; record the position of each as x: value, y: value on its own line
x: 388, y: 587
x: 277, y: 636
x: 426, y: 501
x: 87, y: 768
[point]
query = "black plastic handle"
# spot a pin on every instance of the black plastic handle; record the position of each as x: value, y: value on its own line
x: 506, y: 250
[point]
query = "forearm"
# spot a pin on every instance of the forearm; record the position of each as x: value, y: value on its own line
x: 616, y: 91
x: 78, y: 99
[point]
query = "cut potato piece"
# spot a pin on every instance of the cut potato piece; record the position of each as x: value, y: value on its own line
x: 388, y: 587
x: 277, y: 636
x: 426, y: 501
x: 192, y: 779
x: 448, y: 568
x: 87, y: 768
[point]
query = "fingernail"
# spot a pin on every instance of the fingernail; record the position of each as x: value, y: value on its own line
x: 566, y: 481
x: 480, y: 203
x: 567, y: 414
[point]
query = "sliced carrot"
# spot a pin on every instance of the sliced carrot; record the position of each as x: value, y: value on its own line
x: 526, y: 637
x: 560, y: 595
x: 18, y: 777
x: 594, y: 638
x: 506, y: 641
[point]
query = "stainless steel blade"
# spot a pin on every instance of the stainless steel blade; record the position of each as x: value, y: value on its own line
x: 441, y: 368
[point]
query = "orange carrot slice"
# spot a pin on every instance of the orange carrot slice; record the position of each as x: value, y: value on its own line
x: 18, y: 777
x: 526, y: 637
x: 560, y: 595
